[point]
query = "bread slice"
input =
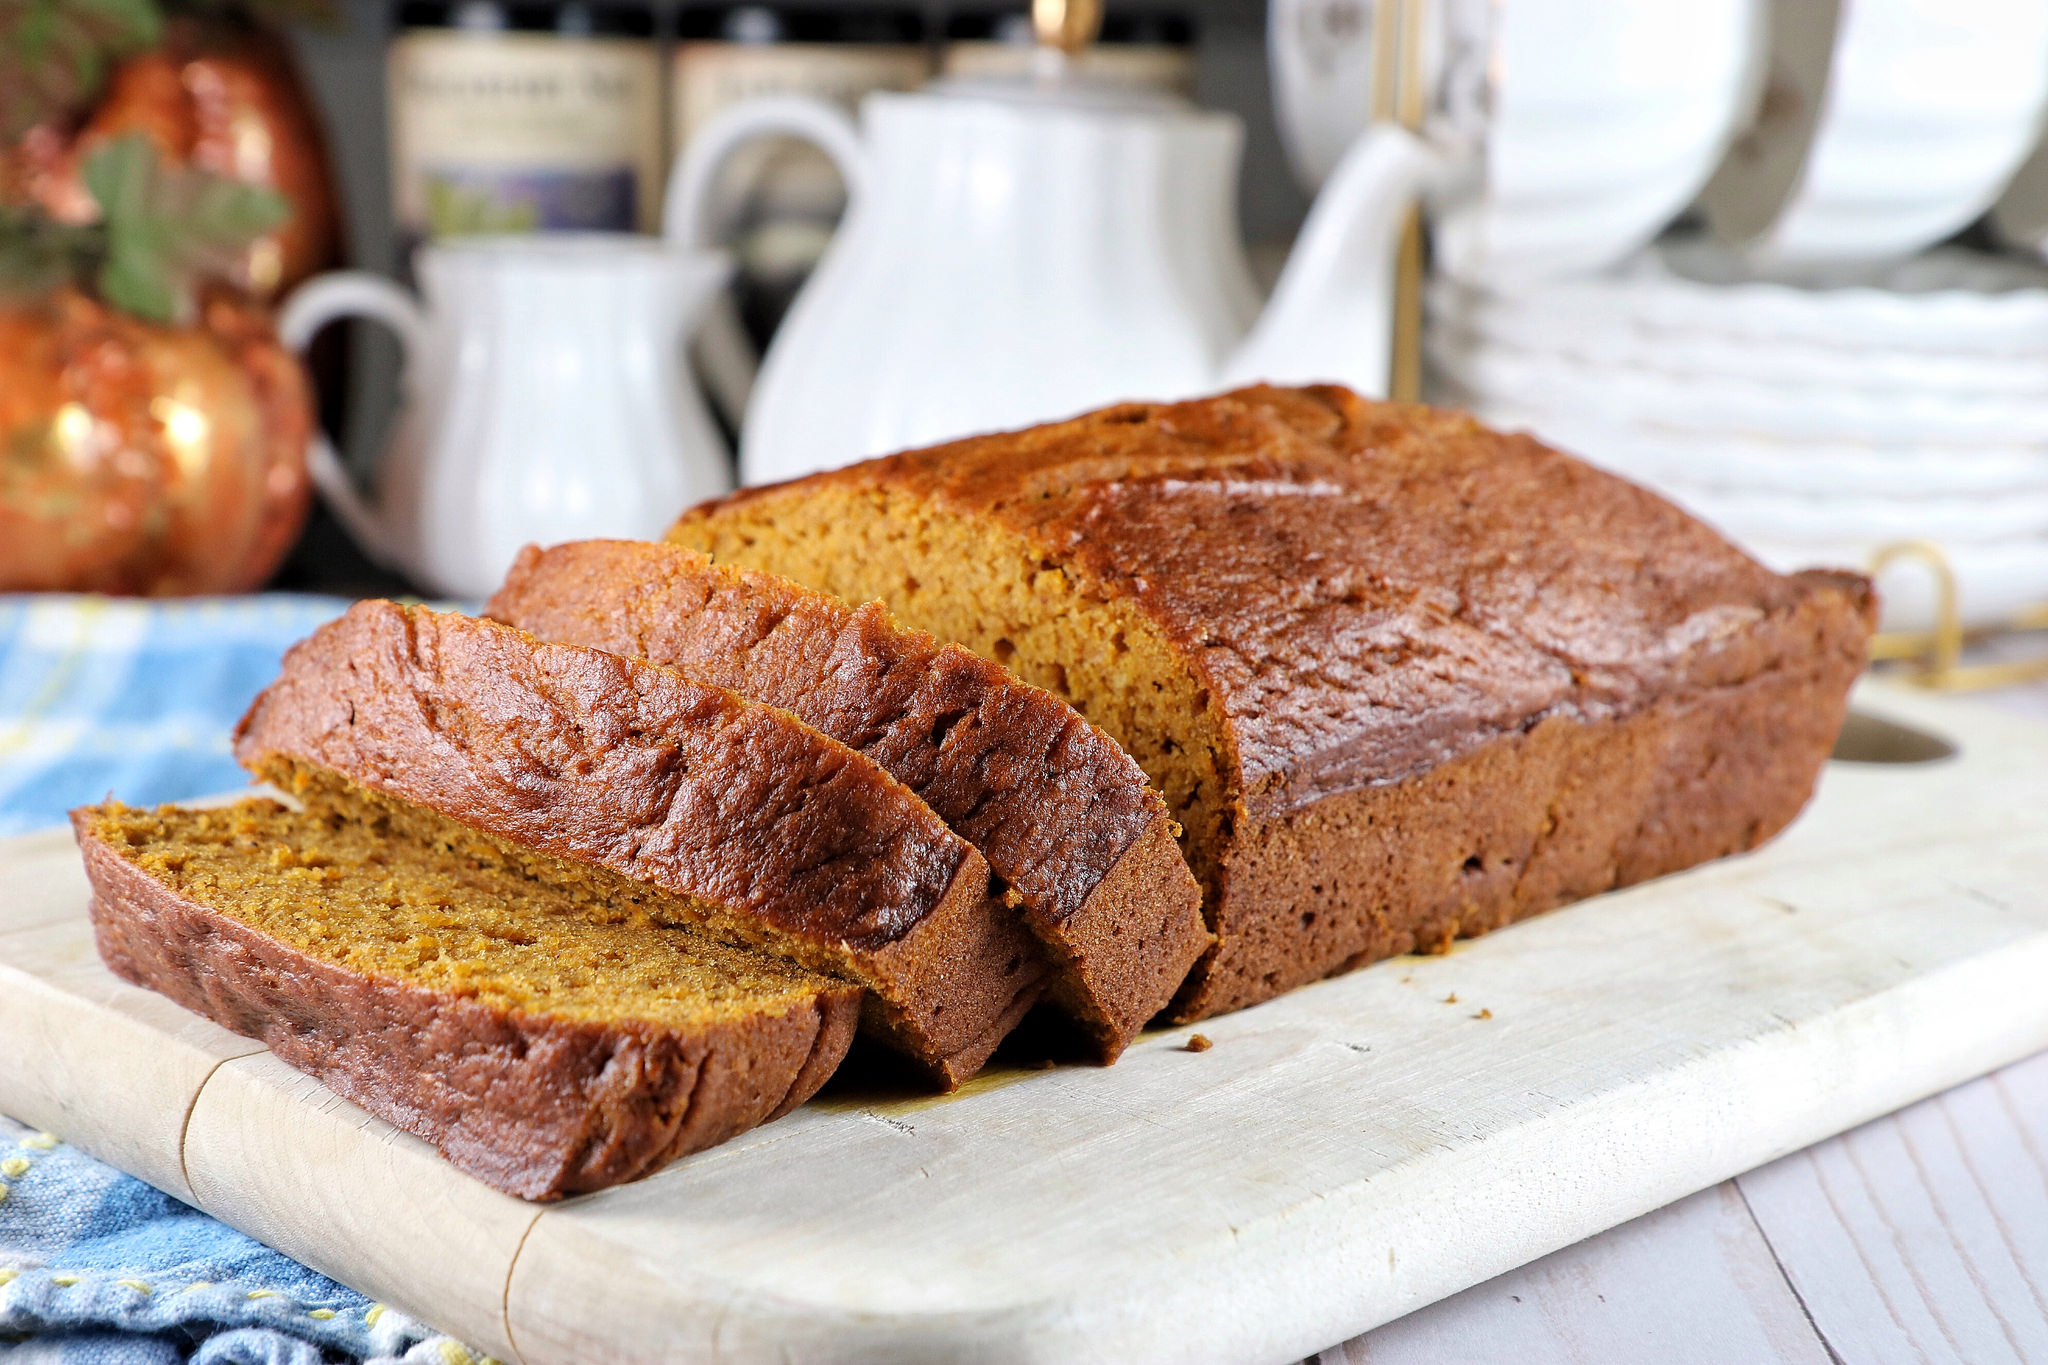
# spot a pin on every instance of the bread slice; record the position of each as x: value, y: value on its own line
x: 1400, y: 677
x: 546, y: 1042
x: 1060, y: 811
x: 686, y: 800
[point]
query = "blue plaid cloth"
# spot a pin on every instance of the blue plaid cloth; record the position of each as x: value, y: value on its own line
x: 96, y: 1267
x: 102, y: 695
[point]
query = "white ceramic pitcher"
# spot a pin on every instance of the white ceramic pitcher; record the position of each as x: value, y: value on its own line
x: 544, y: 399
x: 1017, y: 251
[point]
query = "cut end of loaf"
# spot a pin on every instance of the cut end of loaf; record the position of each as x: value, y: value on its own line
x: 993, y: 592
x: 1057, y: 807
x: 900, y: 1006
x: 355, y: 884
x: 603, y: 894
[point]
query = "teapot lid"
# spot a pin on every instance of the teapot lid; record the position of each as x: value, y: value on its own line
x: 1057, y: 85
x: 1055, y: 79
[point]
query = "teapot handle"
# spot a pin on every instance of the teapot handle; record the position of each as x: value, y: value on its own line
x: 824, y: 125
x: 724, y: 354
x: 1331, y: 314
x: 329, y: 298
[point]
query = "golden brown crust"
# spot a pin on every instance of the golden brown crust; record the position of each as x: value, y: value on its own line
x: 537, y: 1106
x: 1061, y: 812
x: 1366, y: 594
x: 1532, y: 821
x: 1313, y: 554
x: 777, y: 835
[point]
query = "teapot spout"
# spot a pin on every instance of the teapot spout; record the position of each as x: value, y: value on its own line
x: 1331, y: 315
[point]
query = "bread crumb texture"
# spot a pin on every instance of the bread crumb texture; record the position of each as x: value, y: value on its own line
x: 340, y: 886
x: 985, y: 587
x: 1057, y: 807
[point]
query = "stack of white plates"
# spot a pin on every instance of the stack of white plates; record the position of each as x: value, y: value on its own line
x: 1814, y: 423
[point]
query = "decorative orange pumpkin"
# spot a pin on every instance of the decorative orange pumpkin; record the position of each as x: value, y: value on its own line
x: 138, y: 458
x: 218, y: 96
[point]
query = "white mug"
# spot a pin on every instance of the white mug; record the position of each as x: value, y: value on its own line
x: 545, y: 398
x: 1889, y: 125
x: 1594, y: 123
x: 1320, y: 57
x: 1568, y: 133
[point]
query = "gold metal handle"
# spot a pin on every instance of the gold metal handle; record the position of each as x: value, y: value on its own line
x: 1068, y: 25
x: 1936, y: 655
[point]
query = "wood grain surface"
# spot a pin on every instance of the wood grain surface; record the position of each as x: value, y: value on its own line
x: 1692, y: 1282
x: 111, y: 1067
x: 1920, y: 1238
x: 446, y: 1259
x: 1338, y: 1158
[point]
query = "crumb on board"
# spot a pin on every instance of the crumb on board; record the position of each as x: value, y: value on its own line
x: 1197, y: 1042
x: 1451, y: 999
x: 1484, y: 1014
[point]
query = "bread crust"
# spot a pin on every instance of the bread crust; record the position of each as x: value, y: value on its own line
x: 535, y: 1105
x: 1057, y: 807
x: 799, y: 845
x: 1371, y: 596
x: 1534, y: 820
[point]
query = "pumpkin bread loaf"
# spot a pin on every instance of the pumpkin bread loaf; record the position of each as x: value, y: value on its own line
x: 687, y: 801
x: 1058, y: 808
x: 546, y: 1041
x: 1400, y: 677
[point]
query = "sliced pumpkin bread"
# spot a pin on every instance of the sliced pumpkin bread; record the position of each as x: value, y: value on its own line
x: 1057, y: 807
x: 651, y: 790
x: 1400, y: 677
x: 547, y: 1042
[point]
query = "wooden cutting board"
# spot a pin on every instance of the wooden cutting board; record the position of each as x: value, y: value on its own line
x: 1340, y: 1156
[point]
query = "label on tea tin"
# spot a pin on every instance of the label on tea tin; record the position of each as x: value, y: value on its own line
x: 512, y: 132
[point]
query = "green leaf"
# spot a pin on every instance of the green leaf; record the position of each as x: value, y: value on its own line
x: 165, y: 227
x: 140, y: 22
x: 230, y: 214
x: 117, y: 175
x: 137, y: 280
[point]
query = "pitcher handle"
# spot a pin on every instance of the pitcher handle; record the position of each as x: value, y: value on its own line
x: 1331, y: 313
x: 329, y: 298
x: 822, y: 124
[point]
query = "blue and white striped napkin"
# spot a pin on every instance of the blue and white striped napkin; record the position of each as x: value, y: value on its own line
x: 101, y: 695
x: 96, y: 1267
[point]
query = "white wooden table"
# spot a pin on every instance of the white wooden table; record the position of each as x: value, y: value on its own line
x: 1921, y: 1238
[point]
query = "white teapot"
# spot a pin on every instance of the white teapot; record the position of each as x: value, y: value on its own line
x: 1014, y: 252
x: 1024, y: 250
x: 545, y: 399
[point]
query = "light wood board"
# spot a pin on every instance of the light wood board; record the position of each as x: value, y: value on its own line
x: 1920, y: 1238
x: 1341, y: 1156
